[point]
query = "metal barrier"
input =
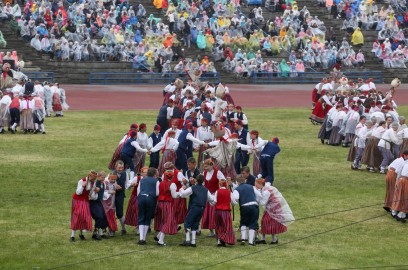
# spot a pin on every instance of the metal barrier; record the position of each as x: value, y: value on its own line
x: 40, y: 76
x: 309, y: 77
x: 145, y: 77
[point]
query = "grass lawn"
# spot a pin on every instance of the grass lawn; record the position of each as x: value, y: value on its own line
x: 39, y: 173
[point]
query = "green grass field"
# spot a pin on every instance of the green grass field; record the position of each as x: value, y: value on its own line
x: 39, y: 173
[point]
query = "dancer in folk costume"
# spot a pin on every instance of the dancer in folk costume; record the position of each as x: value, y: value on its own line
x: 116, y: 154
x: 56, y: 100
x: 224, y: 229
x: 164, y: 116
x: 242, y: 116
x: 14, y: 108
x: 277, y: 215
x: 350, y: 124
x: 154, y: 139
x: 212, y: 176
x: 249, y: 178
x: 199, y: 195
x: 39, y: 115
x: 97, y: 211
x: 26, y: 109
x: 122, y: 183
x: 143, y: 141
x: 128, y: 152
x: 192, y: 172
x: 400, y: 200
x: 203, y: 133
x: 5, y: 102
x: 256, y: 143
x: 165, y: 216
x: 247, y: 197
x: 147, y: 192
x: 268, y: 154
x: 131, y: 217
x: 81, y: 218
x: 173, y: 127
x: 360, y: 143
x: 108, y: 202
x: 241, y: 156
x: 168, y: 146
x: 385, y: 146
x: 353, y: 149
x: 372, y: 155
x: 393, y: 173
x: 180, y: 204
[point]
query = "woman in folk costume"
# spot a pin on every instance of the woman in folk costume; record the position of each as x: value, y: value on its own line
x: 203, y: 133
x: 39, y: 115
x: 352, y: 121
x: 56, y: 100
x: 143, y: 140
x: 404, y: 144
x: 277, y: 215
x: 165, y: 216
x: 372, y: 155
x: 81, y: 218
x: 256, y: 143
x: 319, y: 112
x: 168, y: 146
x: 224, y: 229
x: 26, y: 109
x: 400, y: 200
x: 354, y: 152
x: 337, y: 120
x: 108, y: 202
x: 131, y: 216
x: 5, y: 111
x: 116, y: 154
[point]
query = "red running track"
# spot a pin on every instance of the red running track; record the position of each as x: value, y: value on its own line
x: 144, y: 97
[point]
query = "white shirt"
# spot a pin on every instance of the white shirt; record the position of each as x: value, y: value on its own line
x: 397, y: 164
x: 257, y: 145
x: 389, y: 136
x: 235, y: 197
x: 378, y: 132
x: 172, y: 144
x: 26, y: 104
x: 80, y: 189
x: 404, y: 170
x: 136, y: 145
x: 184, y: 193
x: 143, y: 140
x: 178, y: 131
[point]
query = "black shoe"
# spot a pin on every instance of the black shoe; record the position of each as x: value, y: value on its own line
x: 222, y: 244
x: 198, y: 233
x: 96, y: 237
x: 242, y: 240
x: 387, y: 209
x: 393, y: 216
x: 141, y: 242
x: 104, y: 236
x: 161, y: 245
x: 178, y: 228
x: 263, y: 242
x: 2, y: 131
x: 193, y: 245
x: 43, y: 132
x: 149, y: 230
x: 274, y: 242
x: 36, y: 131
x: 185, y: 244
x: 13, y: 131
x: 156, y: 239
x: 123, y: 232
x: 25, y: 131
x: 72, y: 239
x: 252, y: 244
x: 82, y: 237
x: 400, y: 219
x: 322, y: 141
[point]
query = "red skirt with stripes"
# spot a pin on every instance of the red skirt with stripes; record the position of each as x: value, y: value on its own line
x: 390, y: 180
x: 165, y: 219
x: 180, y: 208
x: 256, y: 164
x: 271, y: 226
x: 223, y: 227
x: 400, y: 201
x: 110, y: 216
x: 115, y: 156
x: 139, y: 160
x: 208, y: 221
x: 200, y: 155
x: 131, y: 211
x: 168, y: 155
x: 81, y: 218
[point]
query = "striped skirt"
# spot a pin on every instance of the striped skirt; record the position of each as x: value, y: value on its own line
x: 180, y: 208
x: 349, y: 137
x: 164, y: 219
x: 115, y: 156
x: 223, y: 227
x: 139, y: 160
x: 200, y: 158
x: 110, y: 216
x: 131, y: 211
x: 4, y: 116
x: 352, y: 152
x: 390, y: 180
x: 371, y: 155
x: 208, y: 221
x: 26, y: 120
x: 168, y: 155
x: 271, y: 226
x: 81, y: 218
x: 400, y: 200
x: 335, y: 136
x: 256, y: 164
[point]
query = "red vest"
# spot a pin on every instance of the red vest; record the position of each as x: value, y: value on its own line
x: 85, y: 193
x: 164, y: 191
x: 223, y: 200
x: 213, y: 184
x: 175, y: 179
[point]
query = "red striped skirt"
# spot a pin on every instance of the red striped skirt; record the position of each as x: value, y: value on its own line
x: 139, y: 160
x: 131, y: 211
x: 115, y: 156
x: 200, y: 155
x: 168, y: 155
x: 400, y: 201
x: 271, y: 226
x: 223, y: 226
x: 110, y: 216
x: 81, y: 218
x: 390, y: 180
x: 180, y: 208
x: 164, y: 219
x: 256, y: 164
x: 208, y: 221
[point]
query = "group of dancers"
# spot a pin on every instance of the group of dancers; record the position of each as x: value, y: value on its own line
x: 364, y: 118
x: 216, y: 180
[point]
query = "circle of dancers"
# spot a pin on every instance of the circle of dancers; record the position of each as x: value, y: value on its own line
x: 360, y: 116
x: 177, y: 189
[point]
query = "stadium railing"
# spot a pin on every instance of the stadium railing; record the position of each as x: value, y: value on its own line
x: 40, y: 76
x: 145, y: 77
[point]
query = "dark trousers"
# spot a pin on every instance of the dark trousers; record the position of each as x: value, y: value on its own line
x: 181, y: 161
x: 146, y: 207
x: 14, y: 116
x: 119, y: 201
x: 128, y: 161
x: 98, y: 214
x: 194, y: 215
x: 241, y: 160
x: 154, y: 160
x: 267, y: 168
x: 249, y: 216
x: 164, y: 125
